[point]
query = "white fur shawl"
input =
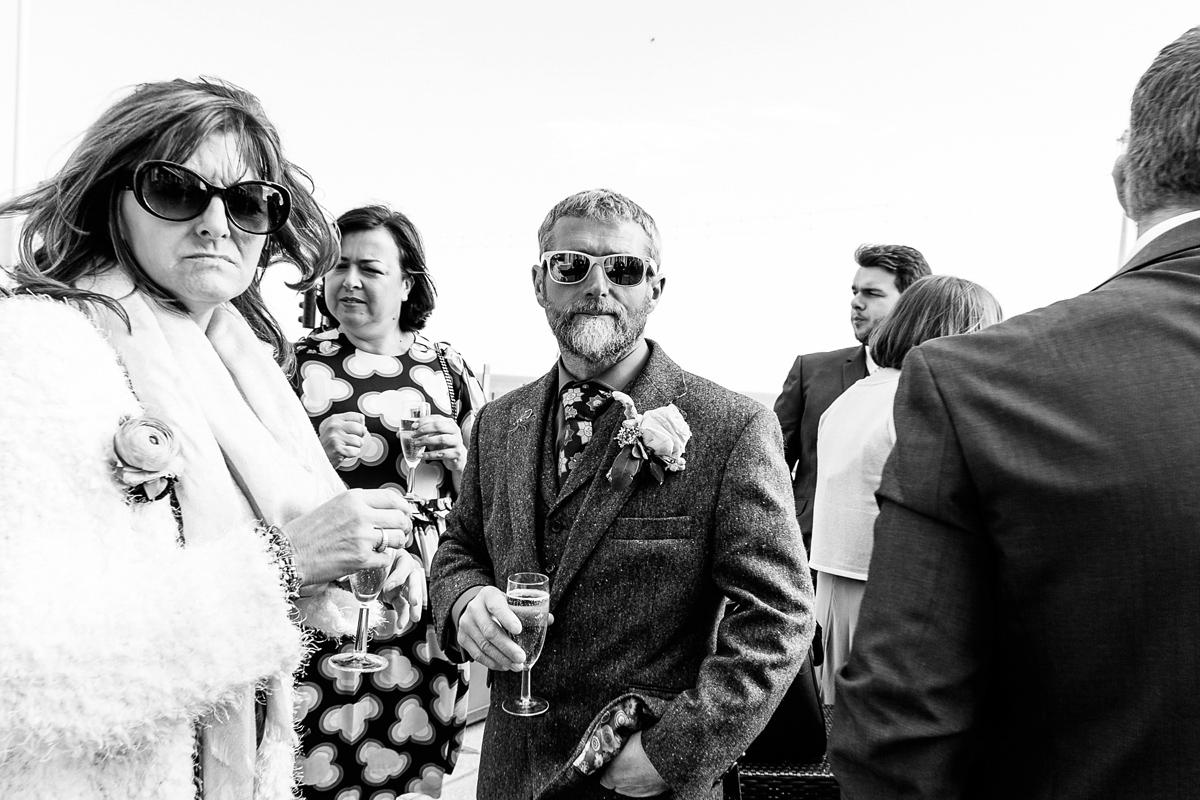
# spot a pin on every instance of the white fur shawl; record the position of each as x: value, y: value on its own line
x: 115, y: 639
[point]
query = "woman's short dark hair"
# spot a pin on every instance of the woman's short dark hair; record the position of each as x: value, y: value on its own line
x: 72, y: 226
x: 423, y: 296
x: 939, y: 305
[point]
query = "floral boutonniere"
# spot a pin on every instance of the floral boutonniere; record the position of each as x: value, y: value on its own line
x: 146, y: 450
x: 657, y: 438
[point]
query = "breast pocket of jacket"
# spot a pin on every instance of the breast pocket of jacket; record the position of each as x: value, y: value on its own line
x: 652, y: 528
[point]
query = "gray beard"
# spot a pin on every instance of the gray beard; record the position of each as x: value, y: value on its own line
x: 596, y: 340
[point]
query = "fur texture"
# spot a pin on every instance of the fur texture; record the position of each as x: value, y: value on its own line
x: 115, y: 639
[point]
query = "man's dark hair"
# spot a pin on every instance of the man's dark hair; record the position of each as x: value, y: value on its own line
x: 906, y: 263
x: 423, y: 296
x: 1162, y: 162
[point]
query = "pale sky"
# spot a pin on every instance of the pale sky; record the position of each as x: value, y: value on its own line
x: 768, y: 140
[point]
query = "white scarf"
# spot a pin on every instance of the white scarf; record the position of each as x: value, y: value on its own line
x: 248, y: 452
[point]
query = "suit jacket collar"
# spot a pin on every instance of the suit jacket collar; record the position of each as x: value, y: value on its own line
x: 549, y: 464
x: 854, y: 368
x: 660, y: 382
x: 1173, y: 242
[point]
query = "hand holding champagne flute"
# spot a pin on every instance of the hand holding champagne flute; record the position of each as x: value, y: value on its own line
x: 529, y: 598
x: 366, y: 585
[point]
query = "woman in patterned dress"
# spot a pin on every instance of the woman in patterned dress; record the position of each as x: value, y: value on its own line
x: 390, y: 734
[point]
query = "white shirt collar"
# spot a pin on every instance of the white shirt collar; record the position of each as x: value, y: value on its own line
x: 871, y: 365
x: 1158, y: 230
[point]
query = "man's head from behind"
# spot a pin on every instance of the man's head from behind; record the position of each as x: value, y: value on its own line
x: 884, y: 272
x: 597, y: 277
x: 1161, y: 165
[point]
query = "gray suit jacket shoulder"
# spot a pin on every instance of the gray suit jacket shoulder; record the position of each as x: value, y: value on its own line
x: 1030, y: 625
x: 639, y: 593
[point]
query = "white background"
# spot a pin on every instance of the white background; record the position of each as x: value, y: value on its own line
x: 768, y: 139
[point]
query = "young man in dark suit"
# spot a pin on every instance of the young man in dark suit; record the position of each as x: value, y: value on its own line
x: 817, y: 379
x: 1031, y: 627
x: 640, y: 570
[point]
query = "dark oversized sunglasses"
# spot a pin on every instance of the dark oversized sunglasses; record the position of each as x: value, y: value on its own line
x: 621, y: 269
x: 173, y: 192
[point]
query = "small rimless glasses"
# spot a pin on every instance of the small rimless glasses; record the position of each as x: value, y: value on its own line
x: 621, y: 269
x: 175, y: 193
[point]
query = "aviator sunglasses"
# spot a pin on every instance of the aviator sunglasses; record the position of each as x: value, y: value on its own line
x: 173, y: 192
x: 621, y: 269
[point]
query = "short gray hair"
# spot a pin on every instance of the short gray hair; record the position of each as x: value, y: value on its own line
x: 605, y: 206
x: 1163, y: 156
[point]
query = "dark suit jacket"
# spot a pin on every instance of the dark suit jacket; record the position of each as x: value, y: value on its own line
x: 813, y: 383
x: 639, y: 585
x: 1031, y: 627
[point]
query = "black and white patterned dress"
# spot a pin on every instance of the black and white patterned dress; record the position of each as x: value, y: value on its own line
x: 382, y: 735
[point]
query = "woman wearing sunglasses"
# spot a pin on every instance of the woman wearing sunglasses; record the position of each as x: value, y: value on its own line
x: 398, y: 732
x: 167, y: 515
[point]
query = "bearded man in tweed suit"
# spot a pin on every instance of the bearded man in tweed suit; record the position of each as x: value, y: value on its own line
x: 680, y: 596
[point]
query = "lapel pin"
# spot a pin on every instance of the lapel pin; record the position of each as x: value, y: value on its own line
x: 522, y: 421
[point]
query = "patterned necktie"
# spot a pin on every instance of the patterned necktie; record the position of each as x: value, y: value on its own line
x: 583, y: 401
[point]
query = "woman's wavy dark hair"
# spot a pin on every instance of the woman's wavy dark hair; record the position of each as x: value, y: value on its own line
x: 72, y: 226
x: 423, y: 296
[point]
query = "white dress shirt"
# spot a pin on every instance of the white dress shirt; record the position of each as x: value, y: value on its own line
x: 1158, y: 230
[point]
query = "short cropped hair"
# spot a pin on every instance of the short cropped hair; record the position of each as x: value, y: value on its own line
x: 905, y: 263
x: 605, y: 206
x: 938, y: 305
x: 423, y: 296
x: 1162, y: 161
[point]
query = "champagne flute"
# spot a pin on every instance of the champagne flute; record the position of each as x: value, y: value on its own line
x: 529, y: 598
x: 366, y: 584
x: 410, y: 417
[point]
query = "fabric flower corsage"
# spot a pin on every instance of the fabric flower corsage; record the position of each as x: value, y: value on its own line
x: 657, y: 438
x: 146, y: 450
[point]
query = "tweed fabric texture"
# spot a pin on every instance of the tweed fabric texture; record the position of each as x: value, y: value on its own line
x: 639, y: 589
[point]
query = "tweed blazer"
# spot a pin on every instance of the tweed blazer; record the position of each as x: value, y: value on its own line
x: 1031, y: 626
x: 639, y: 592
x: 813, y: 383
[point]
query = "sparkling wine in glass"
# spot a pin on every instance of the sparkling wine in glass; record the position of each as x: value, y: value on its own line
x: 529, y: 598
x: 410, y: 418
x: 366, y: 584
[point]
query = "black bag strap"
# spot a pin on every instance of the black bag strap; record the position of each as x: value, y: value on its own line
x: 440, y: 349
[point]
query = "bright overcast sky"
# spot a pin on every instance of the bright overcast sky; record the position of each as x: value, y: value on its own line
x: 768, y: 139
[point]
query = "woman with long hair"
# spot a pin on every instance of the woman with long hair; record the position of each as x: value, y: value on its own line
x: 166, y: 512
